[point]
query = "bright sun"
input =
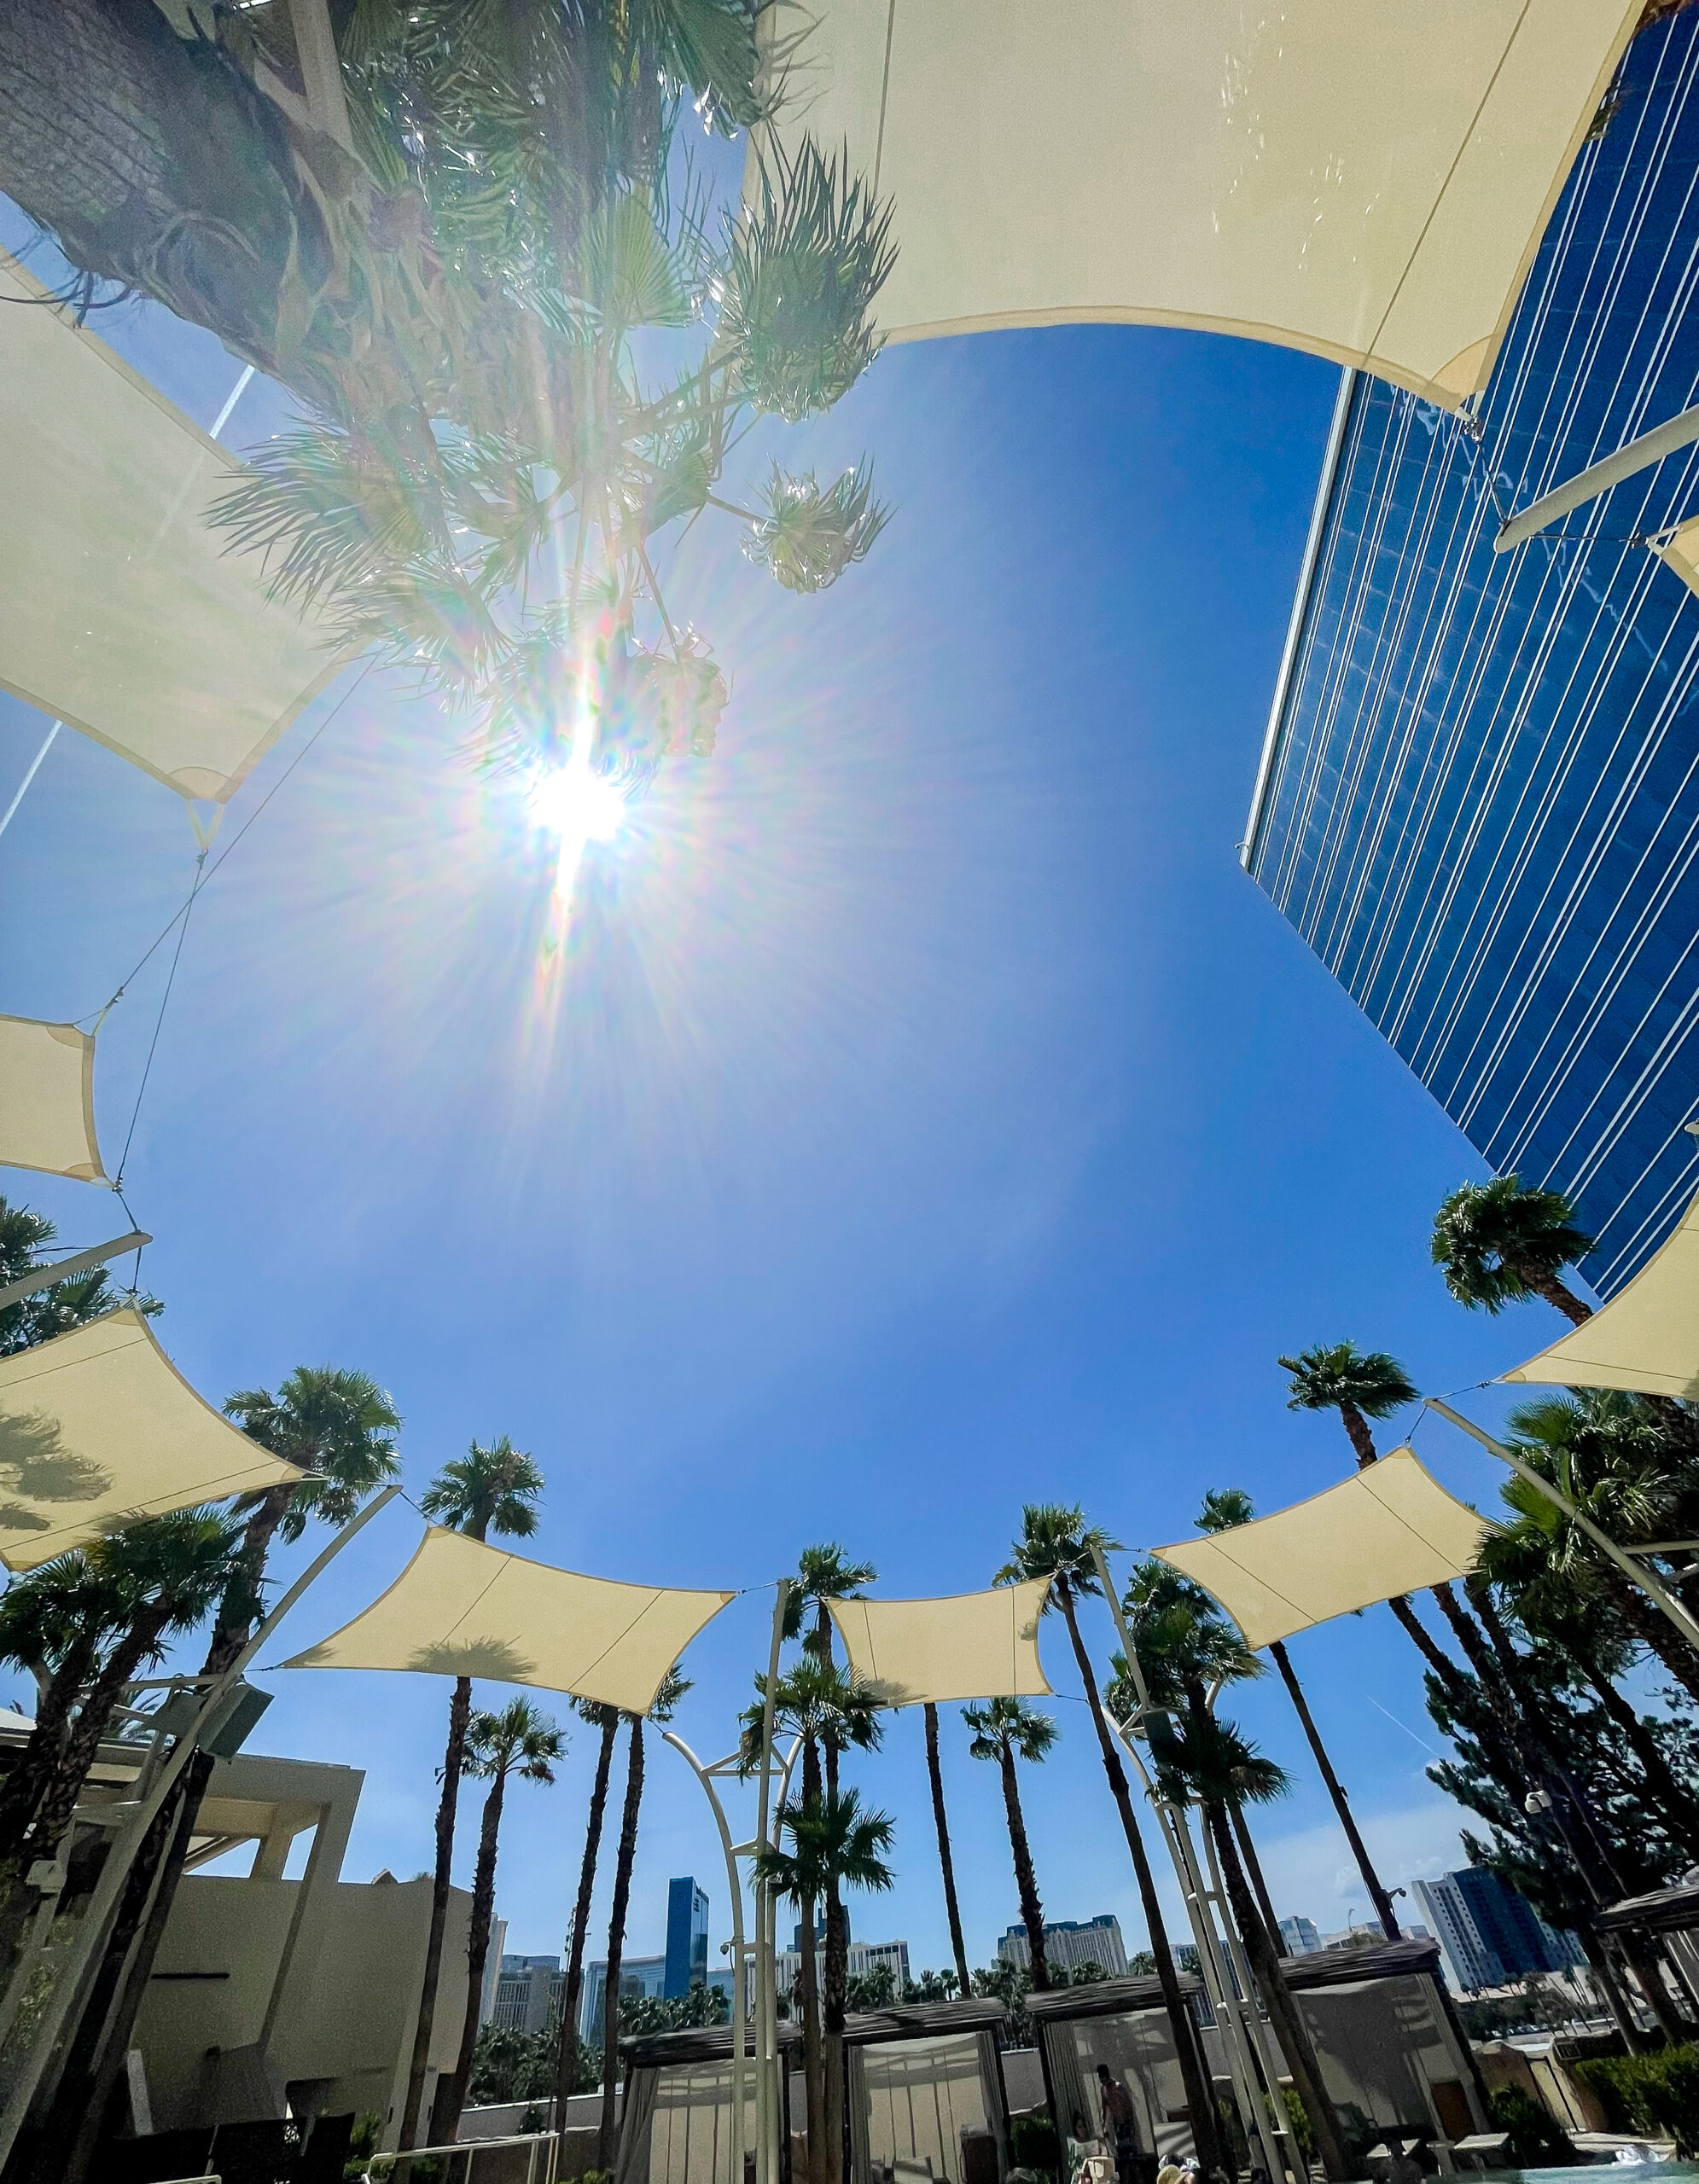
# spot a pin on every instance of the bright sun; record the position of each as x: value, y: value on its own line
x: 576, y: 805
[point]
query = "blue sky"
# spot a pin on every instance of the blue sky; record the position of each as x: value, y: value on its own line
x: 929, y: 1114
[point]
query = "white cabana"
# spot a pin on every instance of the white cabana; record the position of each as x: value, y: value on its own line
x: 968, y: 1645
x: 1391, y: 1529
x: 97, y: 1428
x: 1366, y: 179
x: 1646, y: 1338
x: 121, y: 611
x: 462, y: 1608
x: 47, y: 1100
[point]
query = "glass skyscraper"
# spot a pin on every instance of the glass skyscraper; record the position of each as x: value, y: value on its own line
x: 1479, y: 796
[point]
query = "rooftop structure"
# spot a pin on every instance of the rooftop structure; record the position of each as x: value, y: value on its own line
x: 1478, y: 801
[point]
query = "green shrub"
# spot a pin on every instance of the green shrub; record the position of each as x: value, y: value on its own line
x: 1298, y: 2120
x: 1658, y: 2093
x: 1032, y: 2144
x: 1536, y: 2142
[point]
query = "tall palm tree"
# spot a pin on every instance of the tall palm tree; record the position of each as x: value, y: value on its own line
x: 1187, y: 1649
x: 946, y: 1864
x: 1057, y: 1542
x: 665, y: 1706
x: 137, y: 1588
x: 337, y: 1425
x: 521, y: 1742
x: 1005, y: 1729
x: 824, y: 1574
x: 605, y: 1720
x: 488, y: 1489
x: 815, y: 1701
x: 1502, y: 1241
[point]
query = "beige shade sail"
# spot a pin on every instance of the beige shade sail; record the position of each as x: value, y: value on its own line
x: 1391, y: 1528
x: 97, y: 1428
x: 1646, y: 1337
x: 120, y: 610
x: 47, y: 1100
x: 1680, y: 552
x: 1366, y: 179
x: 968, y: 1645
x: 461, y: 1608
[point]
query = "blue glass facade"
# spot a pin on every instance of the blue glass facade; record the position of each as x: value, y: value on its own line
x: 1479, y: 801
x: 687, y: 1936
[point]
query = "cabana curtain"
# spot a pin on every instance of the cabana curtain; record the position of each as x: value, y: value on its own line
x: 462, y: 1608
x: 47, y: 1097
x: 121, y: 611
x: 1646, y: 1338
x: 1365, y: 179
x: 98, y: 1428
x: 968, y: 1645
x: 1391, y: 1529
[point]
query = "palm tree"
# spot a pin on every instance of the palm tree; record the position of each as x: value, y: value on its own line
x: 486, y: 1490
x: 1502, y: 1241
x: 665, y: 1706
x: 606, y: 1721
x: 24, y: 1236
x: 135, y: 1590
x: 520, y: 1741
x: 1057, y: 1542
x: 339, y: 1427
x: 946, y: 1864
x: 824, y: 1574
x: 1186, y: 1650
x: 823, y: 1706
x: 1361, y: 1385
x: 1003, y: 1730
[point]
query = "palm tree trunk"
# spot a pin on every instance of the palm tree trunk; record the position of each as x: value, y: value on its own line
x: 608, y: 2143
x: 1445, y: 1669
x: 808, y: 1991
x: 566, y: 2050
x: 1212, y: 2151
x: 946, y: 1864
x: 445, y: 2109
x: 1653, y: 1629
x: 243, y: 1599
x: 1026, y: 1882
x: 1357, y: 1429
x: 1680, y: 1810
x: 454, y: 1758
x: 1253, y: 1864
x: 1336, y: 1790
x: 1290, y: 2030
x: 45, y: 1751
x: 1556, y: 1294
x: 65, y: 1786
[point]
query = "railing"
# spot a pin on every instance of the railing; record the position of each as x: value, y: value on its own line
x: 535, y: 2166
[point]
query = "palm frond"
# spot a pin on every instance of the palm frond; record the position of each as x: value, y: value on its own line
x: 808, y: 537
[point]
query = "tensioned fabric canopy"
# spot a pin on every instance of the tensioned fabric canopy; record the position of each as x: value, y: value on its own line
x: 1646, y: 1337
x: 97, y: 1428
x: 1366, y: 179
x: 1391, y: 1529
x: 968, y: 1645
x: 462, y: 1608
x: 1680, y: 552
x: 47, y: 1100
x: 121, y: 611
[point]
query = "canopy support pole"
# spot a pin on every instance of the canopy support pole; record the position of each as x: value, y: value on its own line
x: 739, y: 1971
x: 767, y: 2156
x: 1655, y: 1589
x: 1587, y: 484
x: 1233, y: 2002
x: 43, y: 1277
x: 68, y: 1986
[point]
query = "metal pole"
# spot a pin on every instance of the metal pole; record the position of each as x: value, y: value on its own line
x: 739, y: 1973
x: 1598, y: 478
x: 104, y: 1900
x: 1654, y: 1590
x: 43, y: 1277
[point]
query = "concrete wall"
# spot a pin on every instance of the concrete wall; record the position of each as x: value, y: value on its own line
x: 341, y: 2018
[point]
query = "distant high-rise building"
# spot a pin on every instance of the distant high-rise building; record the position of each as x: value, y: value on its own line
x: 640, y: 1977
x: 1300, y: 1936
x: 819, y: 1931
x: 687, y: 1936
x: 527, y: 1992
x: 1068, y: 1942
x: 864, y: 1957
x: 1489, y: 1935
